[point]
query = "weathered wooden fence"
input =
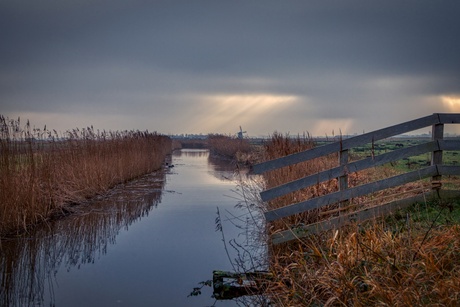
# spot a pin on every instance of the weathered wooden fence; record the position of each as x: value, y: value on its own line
x: 435, y: 170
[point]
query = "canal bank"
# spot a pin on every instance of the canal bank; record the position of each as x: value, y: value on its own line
x: 147, y: 244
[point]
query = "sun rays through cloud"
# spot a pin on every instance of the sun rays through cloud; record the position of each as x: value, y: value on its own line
x: 224, y: 112
x: 452, y: 103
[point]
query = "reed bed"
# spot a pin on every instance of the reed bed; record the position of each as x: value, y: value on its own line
x: 280, y: 146
x: 228, y: 147
x: 43, y: 173
x: 29, y: 265
x: 402, y: 261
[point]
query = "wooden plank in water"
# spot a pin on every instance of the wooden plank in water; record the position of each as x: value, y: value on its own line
x: 230, y: 285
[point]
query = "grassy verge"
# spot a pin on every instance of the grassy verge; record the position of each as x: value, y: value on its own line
x: 411, y: 258
x: 43, y: 173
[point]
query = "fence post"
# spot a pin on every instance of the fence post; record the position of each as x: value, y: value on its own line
x: 437, y: 133
x: 343, y: 179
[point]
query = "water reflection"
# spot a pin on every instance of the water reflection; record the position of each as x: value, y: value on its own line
x: 28, y: 264
x: 91, y: 258
x: 196, y: 153
x: 220, y: 170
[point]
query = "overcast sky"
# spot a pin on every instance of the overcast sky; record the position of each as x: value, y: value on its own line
x: 211, y: 66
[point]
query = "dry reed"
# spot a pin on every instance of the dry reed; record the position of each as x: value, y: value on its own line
x: 42, y: 172
x: 27, y: 267
x: 227, y: 146
x: 280, y: 146
x: 370, y: 264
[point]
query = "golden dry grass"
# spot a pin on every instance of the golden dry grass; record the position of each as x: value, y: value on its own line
x: 280, y: 146
x: 227, y: 146
x: 373, y: 264
x: 369, y: 267
x: 42, y: 173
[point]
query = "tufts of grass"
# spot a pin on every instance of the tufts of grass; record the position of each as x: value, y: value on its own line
x: 370, y: 265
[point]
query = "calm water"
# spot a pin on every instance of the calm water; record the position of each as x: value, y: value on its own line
x: 146, y: 244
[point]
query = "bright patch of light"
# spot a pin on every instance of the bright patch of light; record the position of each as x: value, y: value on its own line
x: 233, y: 110
x: 332, y: 127
x: 451, y: 102
x: 250, y: 101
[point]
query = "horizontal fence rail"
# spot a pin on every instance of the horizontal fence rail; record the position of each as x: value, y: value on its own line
x: 436, y: 146
x: 359, y: 216
x: 356, y: 141
x: 358, y: 166
x: 361, y: 190
x: 347, y: 144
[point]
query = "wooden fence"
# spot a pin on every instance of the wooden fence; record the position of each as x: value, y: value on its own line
x: 435, y: 170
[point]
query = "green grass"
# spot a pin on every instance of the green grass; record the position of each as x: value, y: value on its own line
x: 422, y: 217
x: 406, y: 164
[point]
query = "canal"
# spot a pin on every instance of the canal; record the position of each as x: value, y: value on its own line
x: 148, y: 242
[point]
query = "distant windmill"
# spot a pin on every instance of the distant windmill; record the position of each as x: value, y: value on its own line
x: 240, y: 134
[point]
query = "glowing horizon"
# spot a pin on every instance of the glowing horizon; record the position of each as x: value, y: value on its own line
x: 224, y: 109
x: 451, y: 102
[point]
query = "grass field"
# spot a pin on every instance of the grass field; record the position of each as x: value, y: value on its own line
x: 411, y: 163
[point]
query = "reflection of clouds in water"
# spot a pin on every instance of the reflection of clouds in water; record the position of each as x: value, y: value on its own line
x: 221, y: 169
x: 224, y: 170
x: 31, y: 267
x: 191, y: 153
x: 28, y: 264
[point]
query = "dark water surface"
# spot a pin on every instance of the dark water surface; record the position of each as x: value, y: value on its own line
x: 148, y: 243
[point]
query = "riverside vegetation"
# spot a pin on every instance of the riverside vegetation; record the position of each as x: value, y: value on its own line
x: 411, y: 258
x: 228, y: 147
x: 43, y: 174
x: 239, y: 150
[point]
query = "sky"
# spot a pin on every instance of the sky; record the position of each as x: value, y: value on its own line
x: 323, y: 67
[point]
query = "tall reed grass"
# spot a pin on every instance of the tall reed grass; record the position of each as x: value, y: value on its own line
x: 400, y: 261
x: 227, y: 146
x: 27, y: 267
x: 42, y: 172
x: 280, y: 146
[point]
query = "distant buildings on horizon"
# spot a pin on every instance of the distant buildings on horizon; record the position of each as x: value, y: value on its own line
x: 202, y: 136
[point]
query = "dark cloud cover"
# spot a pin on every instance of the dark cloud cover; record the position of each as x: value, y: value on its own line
x: 158, y: 64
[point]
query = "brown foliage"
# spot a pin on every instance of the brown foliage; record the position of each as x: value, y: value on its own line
x: 42, y: 173
x: 227, y: 146
x: 369, y: 267
x: 280, y: 146
x: 359, y: 265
